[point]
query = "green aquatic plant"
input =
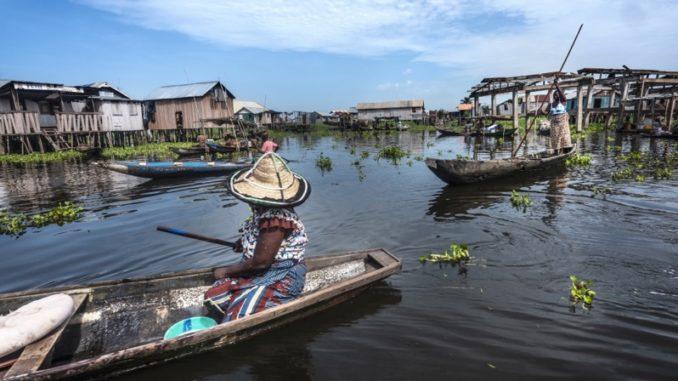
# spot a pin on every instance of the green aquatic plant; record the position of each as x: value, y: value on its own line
x: 639, y: 178
x: 624, y: 174
x: 18, y: 223
x: 662, y: 173
x: 364, y: 154
x: 409, y: 163
x: 352, y: 151
x: 150, y: 149
x: 457, y: 253
x: 12, y: 224
x: 419, y: 158
x: 520, y: 201
x: 578, y: 160
x: 580, y: 292
x: 393, y: 153
x: 324, y: 163
x: 36, y: 157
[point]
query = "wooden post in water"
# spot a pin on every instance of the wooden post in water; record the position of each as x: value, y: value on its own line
x: 476, y: 103
x: 672, y: 109
x: 580, y: 107
x: 622, y: 108
x: 493, y: 104
x: 527, y: 109
x: 610, y: 106
x: 589, y: 105
x: 515, y: 109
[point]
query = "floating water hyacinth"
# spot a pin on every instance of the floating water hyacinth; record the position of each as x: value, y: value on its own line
x: 393, y: 153
x: 520, y: 201
x: 18, y: 223
x: 456, y: 254
x: 324, y: 163
x: 578, y: 160
x: 580, y: 292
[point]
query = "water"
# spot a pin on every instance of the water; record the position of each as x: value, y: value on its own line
x: 507, y: 318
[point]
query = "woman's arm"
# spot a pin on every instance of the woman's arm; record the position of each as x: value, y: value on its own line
x: 267, y: 247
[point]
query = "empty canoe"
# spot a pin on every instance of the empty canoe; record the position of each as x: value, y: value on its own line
x: 161, y: 169
x: 463, y: 171
x: 118, y: 326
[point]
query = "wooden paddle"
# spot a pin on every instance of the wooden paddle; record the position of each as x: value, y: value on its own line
x: 184, y: 233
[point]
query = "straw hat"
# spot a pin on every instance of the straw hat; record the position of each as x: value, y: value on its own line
x: 270, y: 182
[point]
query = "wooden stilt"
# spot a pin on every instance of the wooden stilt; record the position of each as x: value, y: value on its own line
x: 589, y: 105
x: 622, y: 108
x: 516, y: 110
x: 493, y: 104
x: 580, y: 107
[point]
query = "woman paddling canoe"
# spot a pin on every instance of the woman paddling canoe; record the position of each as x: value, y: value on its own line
x: 273, y: 242
x: 560, y: 124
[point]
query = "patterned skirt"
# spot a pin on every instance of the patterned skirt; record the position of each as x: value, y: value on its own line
x: 560, y: 131
x: 238, y: 297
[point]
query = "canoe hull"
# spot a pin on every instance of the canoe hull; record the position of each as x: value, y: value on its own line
x: 173, y: 169
x: 463, y: 171
x: 141, y: 309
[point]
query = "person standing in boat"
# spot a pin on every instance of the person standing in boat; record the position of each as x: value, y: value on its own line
x: 560, y: 121
x: 267, y: 145
x: 273, y: 242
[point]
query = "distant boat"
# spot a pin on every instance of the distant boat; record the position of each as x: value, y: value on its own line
x: 447, y: 132
x: 162, y: 169
x: 463, y: 171
x: 190, y: 151
x: 215, y: 147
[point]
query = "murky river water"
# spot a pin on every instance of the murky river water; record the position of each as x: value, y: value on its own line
x: 507, y: 318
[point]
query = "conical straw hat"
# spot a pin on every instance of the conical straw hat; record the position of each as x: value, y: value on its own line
x: 270, y: 182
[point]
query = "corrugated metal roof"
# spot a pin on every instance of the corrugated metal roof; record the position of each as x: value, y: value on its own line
x: 189, y: 90
x: 3, y: 82
x: 252, y: 106
x: 391, y: 104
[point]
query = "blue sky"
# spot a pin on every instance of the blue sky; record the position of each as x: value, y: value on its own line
x: 319, y: 55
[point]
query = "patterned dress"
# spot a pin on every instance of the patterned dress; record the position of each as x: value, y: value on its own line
x: 560, y: 127
x: 237, y: 297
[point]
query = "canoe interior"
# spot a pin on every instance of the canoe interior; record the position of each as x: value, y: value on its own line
x: 128, y: 313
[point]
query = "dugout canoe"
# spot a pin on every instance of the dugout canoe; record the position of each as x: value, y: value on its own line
x: 446, y: 132
x: 166, y: 169
x: 499, y: 134
x: 190, y: 151
x: 462, y: 171
x: 214, y: 147
x: 118, y: 326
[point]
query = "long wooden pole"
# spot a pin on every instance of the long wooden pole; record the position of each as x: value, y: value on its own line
x: 528, y: 128
x: 195, y: 236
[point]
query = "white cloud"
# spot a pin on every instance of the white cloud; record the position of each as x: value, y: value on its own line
x: 407, y: 71
x: 476, y: 38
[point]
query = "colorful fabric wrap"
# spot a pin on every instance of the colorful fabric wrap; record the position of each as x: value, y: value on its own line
x: 239, y: 297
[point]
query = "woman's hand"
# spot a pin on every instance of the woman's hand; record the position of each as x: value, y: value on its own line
x: 238, y: 246
x: 220, y: 272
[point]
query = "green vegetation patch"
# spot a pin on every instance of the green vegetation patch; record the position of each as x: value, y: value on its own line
x: 520, y: 201
x: 47, y: 157
x: 16, y: 224
x: 580, y: 292
x: 456, y: 254
x: 151, y: 149
x: 324, y: 163
x: 578, y: 160
x: 393, y: 153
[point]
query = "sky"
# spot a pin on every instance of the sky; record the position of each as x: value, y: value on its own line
x: 321, y: 55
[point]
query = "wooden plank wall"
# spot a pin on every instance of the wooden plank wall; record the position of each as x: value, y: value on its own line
x: 193, y: 110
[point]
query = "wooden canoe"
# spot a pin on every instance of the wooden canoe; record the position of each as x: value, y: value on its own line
x: 446, y: 132
x: 499, y: 134
x: 190, y: 151
x: 166, y: 169
x: 118, y: 325
x: 215, y: 147
x: 462, y: 171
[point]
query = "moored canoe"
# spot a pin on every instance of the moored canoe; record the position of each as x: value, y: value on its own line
x: 162, y: 169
